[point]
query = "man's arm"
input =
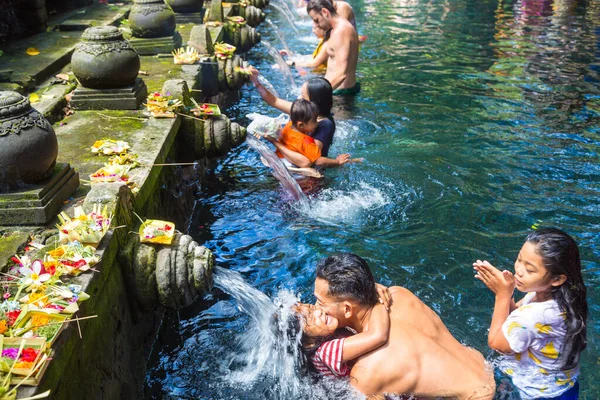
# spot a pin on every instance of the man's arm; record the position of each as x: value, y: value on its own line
x: 341, y: 49
x: 320, y: 59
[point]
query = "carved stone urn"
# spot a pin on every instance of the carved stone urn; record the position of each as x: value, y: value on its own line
x: 151, y: 19
x: 185, y: 6
x: 28, y: 145
x: 104, y: 60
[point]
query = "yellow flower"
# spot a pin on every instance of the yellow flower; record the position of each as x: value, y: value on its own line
x: 509, y: 371
x: 3, y: 326
x: 550, y: 351
x: 543, y: 328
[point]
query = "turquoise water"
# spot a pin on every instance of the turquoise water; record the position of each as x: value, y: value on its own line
x: 477, y: 120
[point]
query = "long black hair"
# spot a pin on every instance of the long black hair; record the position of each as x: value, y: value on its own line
x: 308, y: 344
x: 320, y: 92
x: 560, y: 256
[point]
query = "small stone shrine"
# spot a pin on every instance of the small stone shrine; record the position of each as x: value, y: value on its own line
x: 153, y: 26
x: 106, y: 66
x: 32, y: 186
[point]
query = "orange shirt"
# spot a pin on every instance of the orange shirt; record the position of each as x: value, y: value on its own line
x: 299, y: 142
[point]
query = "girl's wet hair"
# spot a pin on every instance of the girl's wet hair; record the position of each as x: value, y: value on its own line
x: 308, y: 344
x: 320, y: 92
x: 560, y: 256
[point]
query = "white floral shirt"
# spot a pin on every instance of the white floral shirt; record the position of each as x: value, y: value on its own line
x: 536, y: 333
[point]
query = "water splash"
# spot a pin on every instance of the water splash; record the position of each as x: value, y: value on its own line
x: 346, y: 206
x: 281, y: 38
x: 283, y: 67
x: 287, y: 13
x: 279, y: 171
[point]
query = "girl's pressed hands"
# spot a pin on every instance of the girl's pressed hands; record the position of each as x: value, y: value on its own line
x: 499, y: 282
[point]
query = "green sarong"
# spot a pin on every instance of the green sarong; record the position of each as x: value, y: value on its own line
x: 348, y: 91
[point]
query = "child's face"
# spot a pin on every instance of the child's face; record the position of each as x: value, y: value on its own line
x: 530, y: 273
x: 317, y: 322
x: 307, y: 127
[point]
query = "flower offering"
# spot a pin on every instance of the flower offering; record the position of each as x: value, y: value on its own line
x: 84, y: 228
x: 187, y: 55
x: 224, y: 51
x: 156, y: 231
x: 109, y: 147
x: 162, y: 105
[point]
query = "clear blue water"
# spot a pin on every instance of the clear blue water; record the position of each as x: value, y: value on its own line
x: 477, y: 120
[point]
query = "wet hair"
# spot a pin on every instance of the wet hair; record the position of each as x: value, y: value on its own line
x: 320, y: 92
x: 560, y: 256
x: 319, y: 5
x: 308, y: 344
x: 349, y: 277
x: 303, y: 111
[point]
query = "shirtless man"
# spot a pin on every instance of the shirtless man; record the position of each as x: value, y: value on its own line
x: 345, y: 10
x: 421, y: 357
x: 342, y: 48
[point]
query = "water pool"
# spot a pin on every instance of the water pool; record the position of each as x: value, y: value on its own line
x: 477, y: 120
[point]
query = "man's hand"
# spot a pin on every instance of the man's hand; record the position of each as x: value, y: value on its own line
x: 385, y: 297
x: 502, y: 283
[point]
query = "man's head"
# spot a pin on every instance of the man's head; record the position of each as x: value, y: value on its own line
x: 303, y: 115
x: 321, y: 12
x: 345, y: 286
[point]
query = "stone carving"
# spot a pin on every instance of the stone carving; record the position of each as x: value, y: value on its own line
x: 104, y: 60
x: 253, y: 15
x: 173, y: 275
x: 28, y: 145
x: 151, y: 19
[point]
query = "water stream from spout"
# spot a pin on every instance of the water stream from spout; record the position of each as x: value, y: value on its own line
x: 279, y: 171
x: 281, y: 38
x: 283, y: 67
x: 287, y: 13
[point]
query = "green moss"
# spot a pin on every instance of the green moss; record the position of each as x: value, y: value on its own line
x: 10, y: 245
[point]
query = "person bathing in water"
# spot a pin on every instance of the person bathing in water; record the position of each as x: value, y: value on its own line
x: 295, y: 143
x: 329, y: 350
x: 319, y: 92
x: 420, y: 357
x: 342, y: 47
x: 542, y: 335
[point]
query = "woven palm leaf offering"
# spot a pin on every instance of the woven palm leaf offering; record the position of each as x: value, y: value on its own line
x: 111, y: 173
x: 162, y: 105
x: 84, y: 228
x: 130, y: 159
x: 205, y: 109
x: 20, y: 356
x: 224, y: 51
x: 40, y: 324
x: 156, y: 231
x: 109, y: 147
x: 185, y: 55
x: 73, y: 258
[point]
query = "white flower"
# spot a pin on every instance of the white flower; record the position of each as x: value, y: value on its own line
x: 31, y: 276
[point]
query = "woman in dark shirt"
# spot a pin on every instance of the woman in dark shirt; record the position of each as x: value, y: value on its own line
x: 319, y: 91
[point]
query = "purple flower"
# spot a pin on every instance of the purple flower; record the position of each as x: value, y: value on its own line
x: 10, y: 353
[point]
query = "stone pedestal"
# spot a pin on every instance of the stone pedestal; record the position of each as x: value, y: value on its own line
x: 159, y: 45
x: 189, y: 18
x: 127, y: 98
x: 37, y: 204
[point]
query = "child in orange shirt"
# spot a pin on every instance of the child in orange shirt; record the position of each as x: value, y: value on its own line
x: 294, y: 143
